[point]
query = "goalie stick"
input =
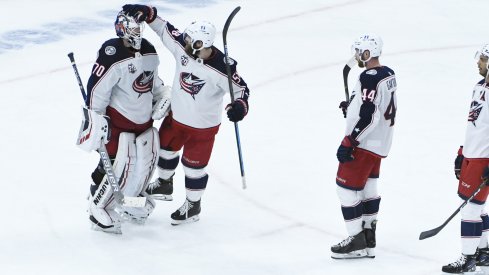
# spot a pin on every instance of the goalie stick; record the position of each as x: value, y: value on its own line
x: 109, y: 171
x: 228, y: 71
x: 434, y: 231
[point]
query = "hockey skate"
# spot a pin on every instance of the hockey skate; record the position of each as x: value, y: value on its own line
x: 161, y: 189
x: 188, y: 212
x: 466, y: 263
x: 350, y: 248
x: 370, y: 238
x: 482, y: 257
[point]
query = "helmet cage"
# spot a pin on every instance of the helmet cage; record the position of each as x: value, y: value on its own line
x: 126, y: 27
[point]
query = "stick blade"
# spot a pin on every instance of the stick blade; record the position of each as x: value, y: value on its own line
x: 429, y: 233
x: 228, y: 22
x: 350, y: 64
x: 134, y: 201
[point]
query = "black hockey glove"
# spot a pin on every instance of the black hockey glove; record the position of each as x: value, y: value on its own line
x: 458, y: 162
x: 140, y: 12
x: 345, y: 151
x: 344, y: 107
x: 237, y: 110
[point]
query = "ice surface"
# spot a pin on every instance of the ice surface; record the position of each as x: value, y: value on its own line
x: 291, y: 53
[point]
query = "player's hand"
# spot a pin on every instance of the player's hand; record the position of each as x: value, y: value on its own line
x: 344, y: 107
x: 237, y: 110
x: 485, y: 175
x: 345, y: 151
x: 458, y: 162
x: 140, y: 12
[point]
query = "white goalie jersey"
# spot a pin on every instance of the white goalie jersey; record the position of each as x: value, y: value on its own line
x: 477, y: 132
x: 124, y: 80
x: 372, y: 110
x: 199, y: 85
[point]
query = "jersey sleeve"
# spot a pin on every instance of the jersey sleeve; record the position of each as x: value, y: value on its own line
x: 103, y: 78
x: 368, y: 114
x: 240, y: 88
x: 169, y: 35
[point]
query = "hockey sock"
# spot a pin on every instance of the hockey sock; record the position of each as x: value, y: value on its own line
x: 195, y: 187
x: 471, y: 227
x: 167, y: 163
x: 353, y: 218
x: 370, y: 210
x: 485, y: 231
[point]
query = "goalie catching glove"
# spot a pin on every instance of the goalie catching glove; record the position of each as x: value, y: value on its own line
x: 161, y: 102
x: 94, y: 130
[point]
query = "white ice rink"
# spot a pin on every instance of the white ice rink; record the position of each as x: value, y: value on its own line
x: 291, y: 54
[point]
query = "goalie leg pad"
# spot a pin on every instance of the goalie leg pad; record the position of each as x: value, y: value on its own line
x: 147, y: 145
x: 101, y: 207
x: 101, y: 201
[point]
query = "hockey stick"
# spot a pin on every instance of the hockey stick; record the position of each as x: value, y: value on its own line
x: 433, y: 232
x: 228, y: 71
x: 346, y: 71
x: 109, y: 171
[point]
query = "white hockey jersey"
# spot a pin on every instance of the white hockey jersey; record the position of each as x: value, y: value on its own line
x: 124, y: 80
x: 372, y: 111
x: 199, y: 85
x: 477, y: 134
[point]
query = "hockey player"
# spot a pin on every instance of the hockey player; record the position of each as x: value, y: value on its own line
x: 197, y: 100
x: 124, y: 93
x: 370, y: 120
x: 471, y: 169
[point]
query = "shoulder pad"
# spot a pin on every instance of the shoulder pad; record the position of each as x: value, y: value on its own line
x: 371, y: 78
x: 218, y: 61
x: 112, y: 51
x: 147, y: 47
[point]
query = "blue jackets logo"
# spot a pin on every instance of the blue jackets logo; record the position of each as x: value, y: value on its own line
x: 144, y: 82
x: 191, y: 84
x: 475, y: 110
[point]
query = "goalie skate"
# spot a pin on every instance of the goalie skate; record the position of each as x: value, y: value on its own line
x: 97, y: 226
x: 188, y: 212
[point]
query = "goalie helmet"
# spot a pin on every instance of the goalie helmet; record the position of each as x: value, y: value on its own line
x: 126, y: 27
x: 200, y: 31
x: 371, y: 42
